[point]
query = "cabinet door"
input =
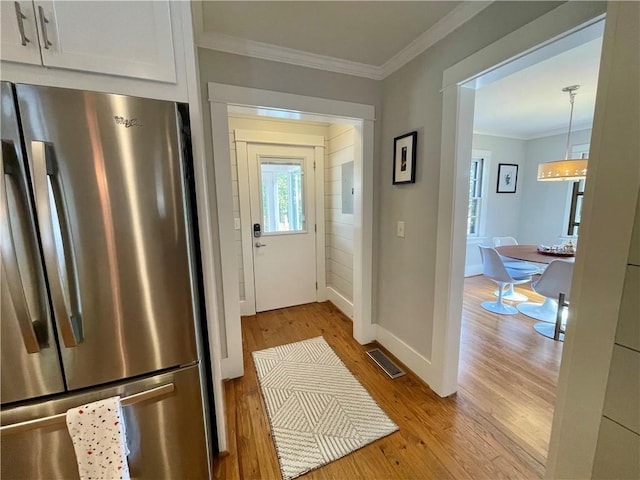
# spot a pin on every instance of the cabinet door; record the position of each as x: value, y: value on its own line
x: 132, y: 38
x: 19, y: 33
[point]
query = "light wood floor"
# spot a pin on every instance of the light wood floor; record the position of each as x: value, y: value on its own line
x: 496, y: 426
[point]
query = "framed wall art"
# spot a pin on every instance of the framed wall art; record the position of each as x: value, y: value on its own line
x: 507, y: 178
x: 404, y: 158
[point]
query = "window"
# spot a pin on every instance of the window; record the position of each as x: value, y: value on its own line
x: 577, y: 192
x: 575, y: 210
x: 282, y: 195
x: 475, y: 196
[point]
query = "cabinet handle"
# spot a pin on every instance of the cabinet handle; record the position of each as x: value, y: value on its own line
x: 21, y: 17
x: 43, y: 24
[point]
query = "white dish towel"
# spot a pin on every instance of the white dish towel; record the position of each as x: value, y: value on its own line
x: 99, y: 438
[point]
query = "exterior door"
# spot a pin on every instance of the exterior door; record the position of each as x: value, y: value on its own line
x: 283, y: 225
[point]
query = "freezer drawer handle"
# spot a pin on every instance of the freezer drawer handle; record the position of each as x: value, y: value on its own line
x: 10, y: 265
x: 61, y: 417
x: 66, y: 305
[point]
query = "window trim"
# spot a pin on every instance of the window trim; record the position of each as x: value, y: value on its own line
x: 287, y: 161
x: 577, y: 151
x: 485, y: 155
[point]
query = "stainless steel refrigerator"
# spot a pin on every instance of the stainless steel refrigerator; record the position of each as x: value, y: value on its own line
x: 98, y: 280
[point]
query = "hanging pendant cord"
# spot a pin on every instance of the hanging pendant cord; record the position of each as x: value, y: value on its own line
x: 572, y: 95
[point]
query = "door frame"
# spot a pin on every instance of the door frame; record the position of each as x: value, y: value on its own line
x: 458, y: 90
x: 242, y: 139
x: 221, y: 96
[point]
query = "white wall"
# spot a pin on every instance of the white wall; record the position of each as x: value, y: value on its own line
x: 263, y: 124
x: 412, y: 100
x: 244, y: 71
x: 545, y: 204
x: 538, y: 212
x: 404, y: 273
x: 338, y: 225
x: 502, y: 210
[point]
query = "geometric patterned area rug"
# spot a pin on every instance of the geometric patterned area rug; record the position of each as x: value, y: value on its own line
x: 318, y: 411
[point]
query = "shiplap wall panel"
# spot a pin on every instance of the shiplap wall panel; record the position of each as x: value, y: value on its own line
x: 236, y: 213
x: 341, y: 243
x: 340, y: 138
x: 628, y: 333
x: 336, y: 215
x: 622, y: 403
x: 345, y: 258
x: 618, y: 448
x: 617, y: 454
x: 338, y: 225
x: 634, y: 251
x: 333, y: 188
x: 341, y: 230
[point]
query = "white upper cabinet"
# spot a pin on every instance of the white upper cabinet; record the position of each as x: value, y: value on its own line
x: 131, y: 39
x: 19, y: 32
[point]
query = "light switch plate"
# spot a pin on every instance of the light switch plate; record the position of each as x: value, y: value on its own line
x: 400, y: 229
x: 236, y: 223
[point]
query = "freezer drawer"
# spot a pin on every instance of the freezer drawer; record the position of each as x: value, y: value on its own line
x: 165, y: 431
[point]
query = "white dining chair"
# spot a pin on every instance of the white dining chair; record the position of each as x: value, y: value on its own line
x: 555, y: 280
x: 493, y: 268
x: 509, y: 292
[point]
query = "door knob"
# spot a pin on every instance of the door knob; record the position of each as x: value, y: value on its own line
x: 258, y: 244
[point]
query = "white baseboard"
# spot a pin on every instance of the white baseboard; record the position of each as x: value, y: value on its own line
x: 246, y: 308
x: 231, y: 369
x: 344, y: 305
x: 471, y: 270
x: 418, y: 364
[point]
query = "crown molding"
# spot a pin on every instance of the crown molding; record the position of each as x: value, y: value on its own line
x: 437, y: 32
x: 562, y: 131
x: 534, y: 136
x: 267, y: 51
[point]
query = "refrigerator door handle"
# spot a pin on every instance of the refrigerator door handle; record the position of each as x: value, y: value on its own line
x: 61, y: 417
x: 58, y: 253
x: 10, y: 265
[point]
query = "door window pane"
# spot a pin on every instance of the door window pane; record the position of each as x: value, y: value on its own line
x: 282, y: 195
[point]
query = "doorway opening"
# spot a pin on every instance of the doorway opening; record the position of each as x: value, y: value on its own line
x: 294, y: 187
x: 278, y: 208
x: 470, y: 223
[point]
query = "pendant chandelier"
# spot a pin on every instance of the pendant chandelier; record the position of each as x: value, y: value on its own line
x: 569, y: 169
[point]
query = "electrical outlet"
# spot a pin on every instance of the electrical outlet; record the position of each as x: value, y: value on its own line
x: 400, y: 229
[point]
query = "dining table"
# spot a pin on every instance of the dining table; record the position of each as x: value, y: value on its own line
x: 530, y: 253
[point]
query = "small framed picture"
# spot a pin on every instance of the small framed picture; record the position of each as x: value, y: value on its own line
x: 404, y: 158
x: 507, y: 178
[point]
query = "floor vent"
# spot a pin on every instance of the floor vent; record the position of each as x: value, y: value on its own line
x: 385, y: 363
